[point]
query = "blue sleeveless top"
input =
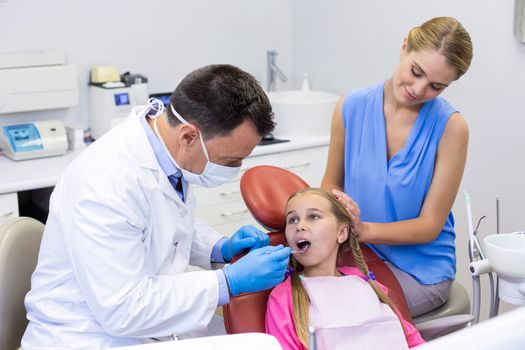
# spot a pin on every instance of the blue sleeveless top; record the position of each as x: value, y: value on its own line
x: 395, y: 189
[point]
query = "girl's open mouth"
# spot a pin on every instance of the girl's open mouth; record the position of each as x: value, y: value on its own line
x: 302, y: 246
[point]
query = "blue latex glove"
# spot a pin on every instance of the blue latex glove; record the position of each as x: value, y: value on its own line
x: 260, y: 269
x: 247, y: 237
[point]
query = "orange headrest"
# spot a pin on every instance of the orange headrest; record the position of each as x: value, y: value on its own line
x: 265, y: 190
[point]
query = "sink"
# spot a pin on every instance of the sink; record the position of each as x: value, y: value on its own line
x: 506, y: 254
x: 302, y: 114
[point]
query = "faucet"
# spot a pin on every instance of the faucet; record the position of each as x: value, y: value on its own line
x: 273, y: 70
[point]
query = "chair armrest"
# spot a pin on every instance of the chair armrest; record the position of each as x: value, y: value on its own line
x: 435, y: 328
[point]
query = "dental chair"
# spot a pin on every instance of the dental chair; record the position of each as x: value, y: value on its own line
x: 265, y: 190
x: 19, y: 245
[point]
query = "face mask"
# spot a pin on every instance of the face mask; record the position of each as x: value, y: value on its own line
x: 213, y: 174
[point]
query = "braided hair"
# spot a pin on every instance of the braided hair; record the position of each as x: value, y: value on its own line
x: 300, y: 300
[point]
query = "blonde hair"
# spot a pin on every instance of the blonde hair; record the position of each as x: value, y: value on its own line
x: 448, y: 37
x: 300, y: 299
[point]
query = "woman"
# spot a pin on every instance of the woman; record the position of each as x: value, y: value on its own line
x: 398, y: 152
x: 318, y: 227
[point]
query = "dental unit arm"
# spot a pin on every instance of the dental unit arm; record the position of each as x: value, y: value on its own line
x: 478, y: 265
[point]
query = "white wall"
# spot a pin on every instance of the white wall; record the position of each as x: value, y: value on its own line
x: 347, y: 44
x: 163, y: 40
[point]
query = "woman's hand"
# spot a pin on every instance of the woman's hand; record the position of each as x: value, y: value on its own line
x: 353, y: 211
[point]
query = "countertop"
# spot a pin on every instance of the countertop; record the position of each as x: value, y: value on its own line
x: 44, y: 172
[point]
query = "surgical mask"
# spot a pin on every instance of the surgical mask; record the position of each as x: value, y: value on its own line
x: 213, y: 174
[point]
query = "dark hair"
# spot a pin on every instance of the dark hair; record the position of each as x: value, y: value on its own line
x: 218, y: 98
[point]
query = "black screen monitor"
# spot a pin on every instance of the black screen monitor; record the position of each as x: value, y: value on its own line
x: 164, y: 97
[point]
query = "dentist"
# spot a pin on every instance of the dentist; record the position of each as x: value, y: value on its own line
x: 122, y: 228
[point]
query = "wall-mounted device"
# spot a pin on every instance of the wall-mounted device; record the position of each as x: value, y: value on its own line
x: 111, y: 97
x: 31, y: 81
x: 33, y: 140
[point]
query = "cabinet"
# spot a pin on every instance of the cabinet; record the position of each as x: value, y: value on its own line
x: 223, y: 207
x: 8, y: 206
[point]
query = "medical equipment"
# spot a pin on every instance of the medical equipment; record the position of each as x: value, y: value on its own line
x: 505, y: 255
x: 478, y: 265
x: 34, y: 140
x: 164, y: 97
x: 104, y: 73
x: 110, y: 102
x: 33, y: 81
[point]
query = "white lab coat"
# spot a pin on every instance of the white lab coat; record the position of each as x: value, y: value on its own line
x: 116, y: 244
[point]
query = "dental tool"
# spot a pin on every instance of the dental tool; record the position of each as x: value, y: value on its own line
x: 475, y: 251
x: 297, y: 251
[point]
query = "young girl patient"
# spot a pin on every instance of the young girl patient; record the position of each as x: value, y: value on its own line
x: 317, y: 227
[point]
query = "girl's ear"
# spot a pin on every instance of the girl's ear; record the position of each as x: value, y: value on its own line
x: 342, y: 235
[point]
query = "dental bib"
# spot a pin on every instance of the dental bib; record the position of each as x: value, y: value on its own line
x: 346, y: 314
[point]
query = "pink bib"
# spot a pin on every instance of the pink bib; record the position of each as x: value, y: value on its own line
x: 347, y: 314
